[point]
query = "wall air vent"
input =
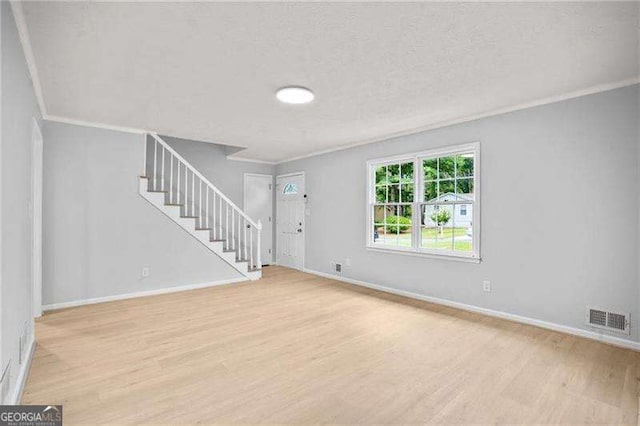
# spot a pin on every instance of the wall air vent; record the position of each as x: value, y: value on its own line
x: 607, y: 320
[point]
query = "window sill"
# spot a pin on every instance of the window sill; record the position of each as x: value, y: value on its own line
x: 456, y: 258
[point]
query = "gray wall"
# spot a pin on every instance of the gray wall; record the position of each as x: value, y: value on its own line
x: 211, y: 160
x: 228, y: 175
x: 560, y: 187
x: 99, y: 232
x: 19, y: 107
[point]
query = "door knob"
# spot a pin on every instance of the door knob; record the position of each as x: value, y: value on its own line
x: 299, y: 229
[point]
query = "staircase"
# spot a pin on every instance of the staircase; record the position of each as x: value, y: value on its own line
x: 182, y: 193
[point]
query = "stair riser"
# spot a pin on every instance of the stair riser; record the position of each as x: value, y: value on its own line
x: 166, y: 199
x: 159, y: 200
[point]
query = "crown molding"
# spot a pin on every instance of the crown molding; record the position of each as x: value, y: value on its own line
x: 545, y: 101
x: 66, y: 120
x: 550, y: 100
x: 251, y: 160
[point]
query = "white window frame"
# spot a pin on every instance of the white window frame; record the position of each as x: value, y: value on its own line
x: 418, y: 194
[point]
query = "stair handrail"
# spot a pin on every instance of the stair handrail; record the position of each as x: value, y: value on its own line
x: 206, y: 181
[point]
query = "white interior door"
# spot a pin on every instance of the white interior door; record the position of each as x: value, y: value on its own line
x: 290, y: 220
x: 36, y: 212
x: 258, y: 204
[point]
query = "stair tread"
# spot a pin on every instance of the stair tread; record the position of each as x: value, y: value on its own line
x: 212, y: 240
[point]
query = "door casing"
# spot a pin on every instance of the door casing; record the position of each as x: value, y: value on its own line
x: 266, y: 226
x: 36, y: 217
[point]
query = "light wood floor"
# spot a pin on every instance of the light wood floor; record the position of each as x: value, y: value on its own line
x: 296, y: 348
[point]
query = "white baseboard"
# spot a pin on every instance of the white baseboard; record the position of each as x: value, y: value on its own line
x: 612, y: 340
x: 23, y: 374
x: 140, y: 294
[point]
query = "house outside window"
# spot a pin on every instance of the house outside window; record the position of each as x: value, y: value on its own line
x: 426, y: 203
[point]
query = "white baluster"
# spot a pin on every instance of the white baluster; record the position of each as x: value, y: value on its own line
x: 213, y: 215
x: 227, y: 224
x: 178, y: 185
x: 246, y: 255
x: 193, y: 193
x: 206, y: 209
x: 200, y: 204
x: 171, y: 179
x: 155, y: 165
x: 162, y: 177
x: 237, y: 238
x: 219, y: 215
x: 145, y: 168
x: 234, y: 234
x: 239, y: 230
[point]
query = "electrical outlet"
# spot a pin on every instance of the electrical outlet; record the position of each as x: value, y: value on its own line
x: 145, y: 272
x: 336, y: 267
x: 347, y: 262
x: 486, y: 286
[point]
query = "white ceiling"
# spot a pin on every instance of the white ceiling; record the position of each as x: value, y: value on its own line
x: 209, y: 71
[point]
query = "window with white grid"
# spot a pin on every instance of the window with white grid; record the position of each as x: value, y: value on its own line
x: 426, y: 202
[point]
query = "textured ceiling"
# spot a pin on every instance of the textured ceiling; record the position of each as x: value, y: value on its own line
x: 208, y: 71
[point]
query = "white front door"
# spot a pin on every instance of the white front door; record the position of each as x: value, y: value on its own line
x: 258, y: 204
x: 290, y: 220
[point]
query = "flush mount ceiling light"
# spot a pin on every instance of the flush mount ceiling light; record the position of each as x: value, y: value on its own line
x: 294, y: 95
